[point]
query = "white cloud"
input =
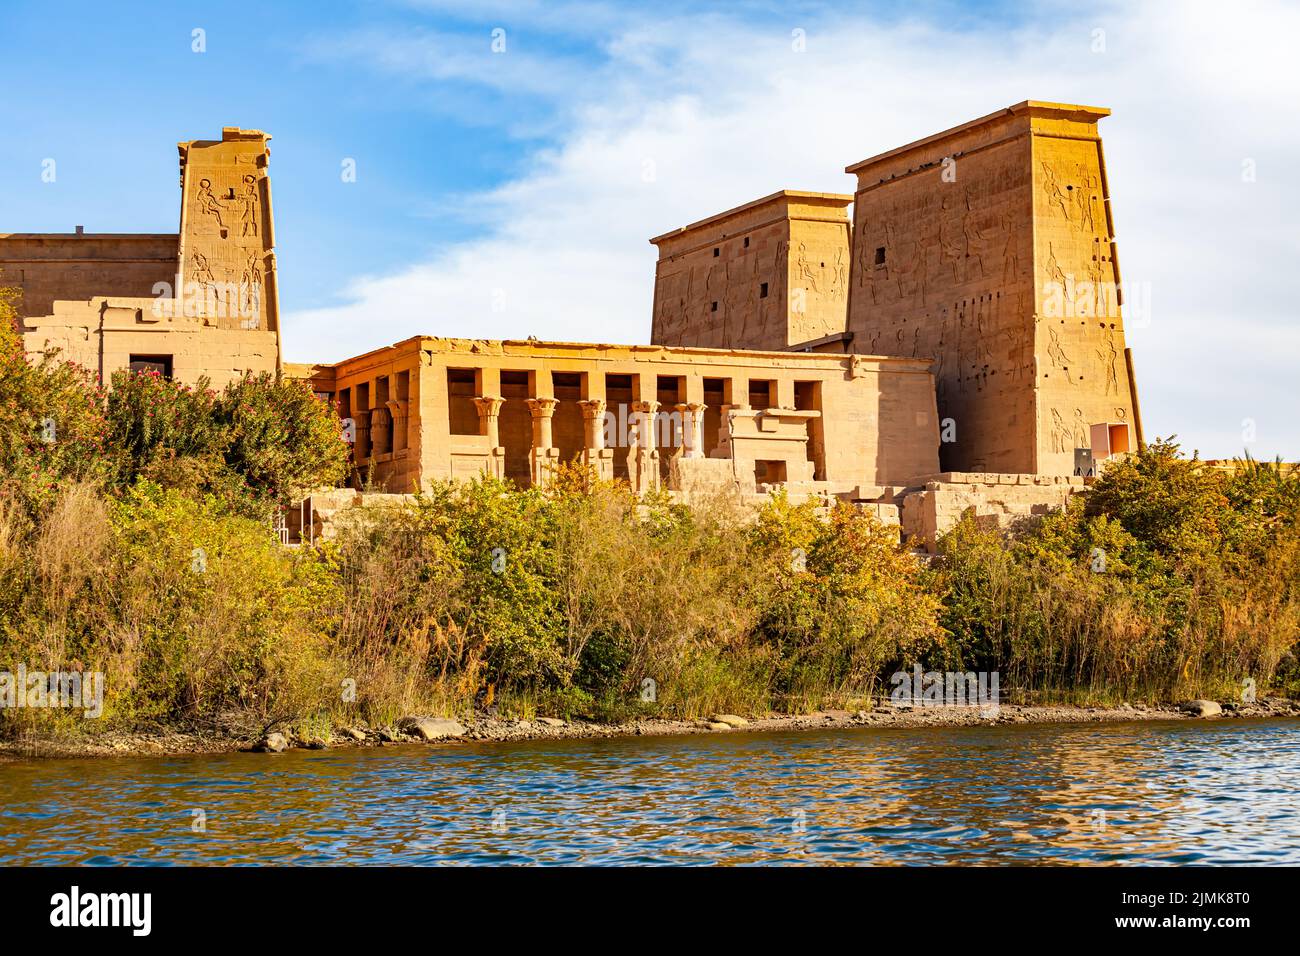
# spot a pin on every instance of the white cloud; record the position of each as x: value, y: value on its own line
x: 724, y: 112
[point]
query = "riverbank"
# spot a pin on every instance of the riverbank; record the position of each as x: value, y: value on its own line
x: 487, y: 728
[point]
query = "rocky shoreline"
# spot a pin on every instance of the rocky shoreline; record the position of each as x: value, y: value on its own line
x: 484, y: 728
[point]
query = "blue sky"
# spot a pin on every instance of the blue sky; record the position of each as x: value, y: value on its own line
x: 511, y: 193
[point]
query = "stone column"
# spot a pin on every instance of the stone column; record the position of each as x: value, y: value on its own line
x: 399, y: 409
x: 489, y: 420
x: 543, y: 457
x: 361, y: 423
x: 643, y: 460
x: 692, y: 428
x: 380, y: 432
x: 597, y: 458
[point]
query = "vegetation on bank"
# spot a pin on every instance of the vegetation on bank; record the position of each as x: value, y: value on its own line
x: 135, y: 542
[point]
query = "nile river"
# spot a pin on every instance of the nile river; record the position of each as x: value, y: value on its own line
x: 1221, y: 792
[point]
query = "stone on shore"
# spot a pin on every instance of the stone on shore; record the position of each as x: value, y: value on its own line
x: 731, y: 720
x: 550, y: 721
x: 273, y: 743
x: 1202, y: 708
x: 354, y: 733
x: 714, y: 725
x: 430, y: 728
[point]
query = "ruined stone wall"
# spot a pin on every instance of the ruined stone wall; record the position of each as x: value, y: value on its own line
x: 995, y: 501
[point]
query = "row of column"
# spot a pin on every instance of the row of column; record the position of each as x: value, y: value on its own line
x: 643, y: 452
x: 373, y: 434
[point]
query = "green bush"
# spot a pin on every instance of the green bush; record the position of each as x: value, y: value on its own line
x: 52, y: 427
x: 1167, y: 579
x: 280, y: 438
x: 197, y: 617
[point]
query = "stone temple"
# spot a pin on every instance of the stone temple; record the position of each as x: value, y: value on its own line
x: 946, y: 339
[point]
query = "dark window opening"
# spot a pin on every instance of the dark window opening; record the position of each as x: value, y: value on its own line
x: 713, y: 307
x: 747, y: 242
x: 716, y: 252
x: 762, y: 291
x: 880, y: 255
x: 567, y: 386
x: 159, y: 364
x: 462, y: 413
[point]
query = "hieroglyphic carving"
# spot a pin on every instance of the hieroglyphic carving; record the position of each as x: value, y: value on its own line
x: 1108, y: 355
x: 839, y: 276
x: 248, y: 206
x: 1052, y: 190
x: 209, y: 204
x: 227, y: 266
x: 1056, y: 352
x: 1059, y: 433
x: 972, y: 237
x: 1082, y: 434
x: 806, y: 271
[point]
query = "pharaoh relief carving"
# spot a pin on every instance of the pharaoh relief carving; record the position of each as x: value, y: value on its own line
x: 839, y: 275
x: 1108, y: 356
x: 973, y: 238
x: 248, y: 206
x: 1010, y: 247
x: 208, y: 204
x: 1056, y: 196
x: 1059, y: 433
x: 1082, y: 435
x: 806, y: 272
x: 951, y: 240
x: 1017, y: 343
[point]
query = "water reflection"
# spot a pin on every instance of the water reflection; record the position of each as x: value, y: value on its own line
x: 1097, y: 794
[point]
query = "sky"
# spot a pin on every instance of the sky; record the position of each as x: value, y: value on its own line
x: 513, y: 158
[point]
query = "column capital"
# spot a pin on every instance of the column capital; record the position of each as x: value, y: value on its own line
x: 695, y: 408
x: 542, y: 407
x: 592, y: 407
x: 645, y: 407
x: 489, y: 404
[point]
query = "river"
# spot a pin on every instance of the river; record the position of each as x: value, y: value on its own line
x: 1206, y: 792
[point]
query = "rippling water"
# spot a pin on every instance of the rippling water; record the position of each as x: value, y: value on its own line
x: 1165, y: 793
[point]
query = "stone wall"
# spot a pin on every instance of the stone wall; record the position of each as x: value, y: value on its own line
x: 767, y: 275
x: 995, y: 500
x: 80, y: 266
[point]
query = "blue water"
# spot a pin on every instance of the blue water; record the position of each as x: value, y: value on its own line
x: 1220, y: 792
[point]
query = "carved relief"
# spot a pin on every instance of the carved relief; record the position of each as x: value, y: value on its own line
x: 1082, y: 434
x: 1056, y: 352
x: 1052, y: 190
x: 248, y: 206
x: 1060, y: 433
x: 973, y: 238
x: 1108, y: 355
x: 806, y: 271
x: 839, y: 279
x: 208, y: 203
